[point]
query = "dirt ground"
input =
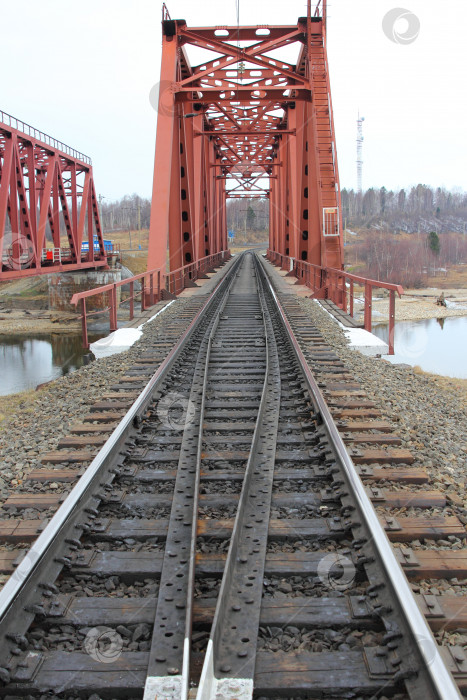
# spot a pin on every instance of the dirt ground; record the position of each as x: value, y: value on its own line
x: 25, y: 322
x: 417, y: 304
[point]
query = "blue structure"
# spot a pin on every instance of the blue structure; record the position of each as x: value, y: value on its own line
x: 108, y: 246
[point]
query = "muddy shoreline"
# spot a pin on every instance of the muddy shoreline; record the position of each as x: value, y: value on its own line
x: 419, y: 304
x: 33, y: 321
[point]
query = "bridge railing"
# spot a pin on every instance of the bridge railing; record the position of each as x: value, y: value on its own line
x: 154, y: 286
x: 338, y: 286
x: 19, y: 125
x: 63, y: 255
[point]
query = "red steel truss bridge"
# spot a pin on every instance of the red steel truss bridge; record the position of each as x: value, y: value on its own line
x: 250, y: 116
x: 245, y: 122
x: 46, y: 188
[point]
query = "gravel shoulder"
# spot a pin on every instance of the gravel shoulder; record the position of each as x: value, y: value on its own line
x: 33, y: 422
x: 429, y: 412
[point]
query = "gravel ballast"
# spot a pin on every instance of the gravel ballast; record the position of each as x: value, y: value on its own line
x: 430, y: 418
x: 39, y: 423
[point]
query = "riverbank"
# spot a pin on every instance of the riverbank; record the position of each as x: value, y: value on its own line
x: 454, y: 387
x: 419, y: 304
x: 34, y: 321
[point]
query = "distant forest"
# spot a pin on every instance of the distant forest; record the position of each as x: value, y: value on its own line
x: 418, y: 209
x: 405, y: 236
x: 131, y: 211
x: 243, y: 215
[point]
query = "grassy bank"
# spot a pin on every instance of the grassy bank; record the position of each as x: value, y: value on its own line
x: 24, y: 402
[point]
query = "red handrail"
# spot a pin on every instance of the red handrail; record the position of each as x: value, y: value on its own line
x: 153, y: 285
x: 330, y: 283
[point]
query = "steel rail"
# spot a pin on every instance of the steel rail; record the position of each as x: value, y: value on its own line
x: 244, y: 566
x: 169, y: 658
x: 440, y: 678
x: 44, y: 544
x: 192, y: 571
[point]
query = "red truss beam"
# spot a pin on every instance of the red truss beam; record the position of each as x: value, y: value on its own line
x: 245, y: 123
x: 45, y: 188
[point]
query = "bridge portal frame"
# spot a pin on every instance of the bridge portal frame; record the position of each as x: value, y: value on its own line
x: 245, y: 124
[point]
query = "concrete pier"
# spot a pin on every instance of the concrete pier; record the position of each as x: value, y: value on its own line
x: 62, y: 286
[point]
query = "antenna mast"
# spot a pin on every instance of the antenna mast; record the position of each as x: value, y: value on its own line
x: 360, y: 121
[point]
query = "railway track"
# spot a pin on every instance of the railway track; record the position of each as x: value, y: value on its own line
x: 221, y: 540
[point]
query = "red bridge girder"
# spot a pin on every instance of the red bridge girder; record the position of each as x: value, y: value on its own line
x: 45, y: 184
x: 245, y: 123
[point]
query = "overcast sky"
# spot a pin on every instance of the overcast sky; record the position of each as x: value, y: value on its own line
x: 82, y: 72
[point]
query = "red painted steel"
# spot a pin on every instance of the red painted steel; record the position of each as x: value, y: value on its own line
x: 331, y: 283
x: 154, y: 284
x: 245, y: 123
x: 44, y: 186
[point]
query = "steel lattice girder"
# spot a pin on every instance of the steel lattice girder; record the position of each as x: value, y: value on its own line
x: 245, y: 124
x: 43, y: 185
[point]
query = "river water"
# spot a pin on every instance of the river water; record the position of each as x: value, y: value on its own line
x: 27, y: 362
x: 436, y: 345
